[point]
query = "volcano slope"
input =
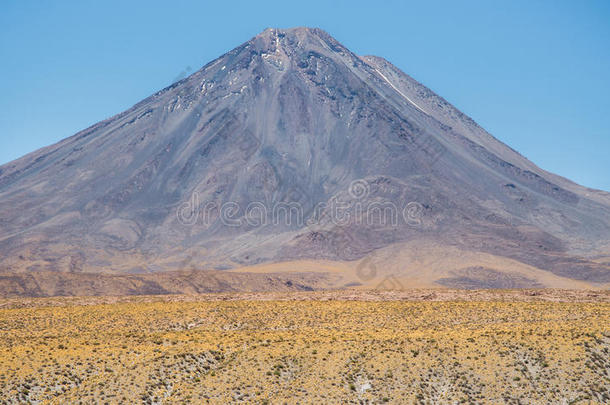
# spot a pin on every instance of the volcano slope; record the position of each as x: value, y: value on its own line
x: 292, y: 154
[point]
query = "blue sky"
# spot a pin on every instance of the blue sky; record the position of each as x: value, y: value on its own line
x: 535, y: 74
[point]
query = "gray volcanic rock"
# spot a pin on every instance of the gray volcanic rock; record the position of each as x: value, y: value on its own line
x: 294, y: 125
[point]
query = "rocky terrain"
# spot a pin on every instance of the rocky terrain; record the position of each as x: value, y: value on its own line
x: 292, y: 153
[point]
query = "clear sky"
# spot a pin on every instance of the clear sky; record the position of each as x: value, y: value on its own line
x: 535, y: 74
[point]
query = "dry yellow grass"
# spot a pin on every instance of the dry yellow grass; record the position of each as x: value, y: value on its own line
x: 308, y: 351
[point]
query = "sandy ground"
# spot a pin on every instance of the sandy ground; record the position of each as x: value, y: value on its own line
x: 522, y: 295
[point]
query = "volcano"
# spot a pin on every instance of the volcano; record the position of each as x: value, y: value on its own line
x: 292, y: 163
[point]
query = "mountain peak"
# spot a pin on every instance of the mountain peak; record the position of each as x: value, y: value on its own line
x: 295, y: 31
x: 291, y: 118
x: 287, y: 39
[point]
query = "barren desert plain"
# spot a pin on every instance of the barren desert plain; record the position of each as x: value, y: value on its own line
x: 412, y: 346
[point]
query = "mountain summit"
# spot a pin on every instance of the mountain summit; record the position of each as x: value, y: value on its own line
x: 292, y: 155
